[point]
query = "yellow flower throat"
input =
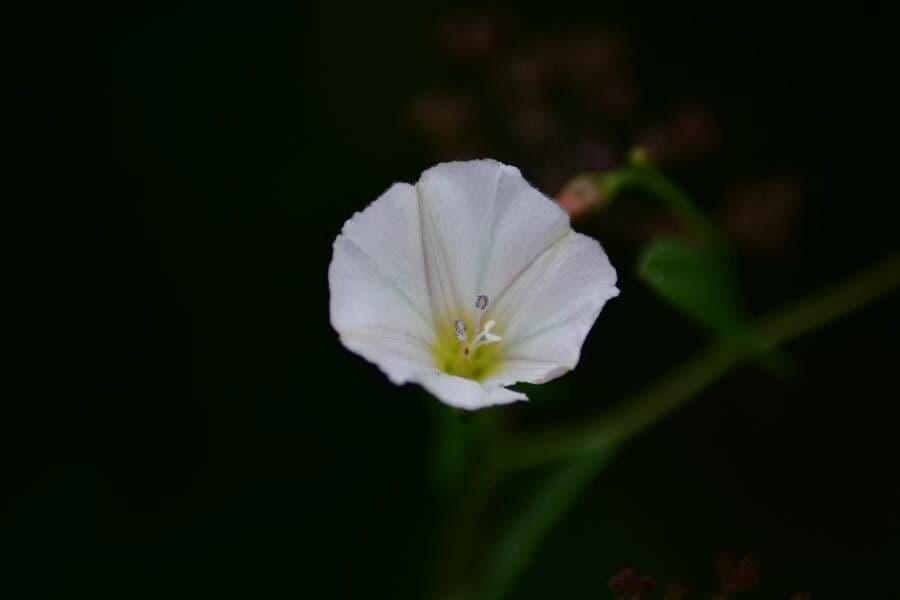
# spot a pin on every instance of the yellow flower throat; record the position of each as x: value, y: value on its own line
x: 476, y: 358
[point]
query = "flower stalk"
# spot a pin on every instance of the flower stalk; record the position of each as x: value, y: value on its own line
x: 681, y: 384
x: 592, y: 191
x: 584, y: 451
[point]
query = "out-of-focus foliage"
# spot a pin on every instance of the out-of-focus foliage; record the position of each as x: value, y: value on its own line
x: 194, y: 429
x: 698, y: 280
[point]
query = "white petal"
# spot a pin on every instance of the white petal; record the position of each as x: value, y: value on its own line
x: 482, y: 225
x: 379, y: 296
x: 526, y: 370
x: 465, y: 393
x: 549, y: 311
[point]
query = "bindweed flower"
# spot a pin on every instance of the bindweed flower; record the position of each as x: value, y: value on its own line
x: 467, y: 282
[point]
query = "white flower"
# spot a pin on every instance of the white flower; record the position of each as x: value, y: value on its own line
x: 467, y: 282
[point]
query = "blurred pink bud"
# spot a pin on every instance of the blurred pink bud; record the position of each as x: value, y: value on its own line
x: 597, y: 68
x: 594, y: 155
x: 760, y: 216
x: 580, y: 196
x: 525, y: 76
x: 736, y: 575
x: 591, y: 55
x: 468, y: 37
x: 690, y: 134
x: 449, y: 123
x: 617, y: 99
x: 627, y: 585
x: 533, y: 126
x: 677, y: 591
x: 440, y: 114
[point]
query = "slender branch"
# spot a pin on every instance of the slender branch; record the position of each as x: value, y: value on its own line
x: 681, y: 384
x: 556, y: 494
x: 592, y: 447
x: 664, y: 190
x: 834, y: 301
x: 525, y: 450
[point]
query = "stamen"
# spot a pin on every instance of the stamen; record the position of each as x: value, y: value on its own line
x: 485, y: 336
x: 460, y: 326
x: 481, y: 303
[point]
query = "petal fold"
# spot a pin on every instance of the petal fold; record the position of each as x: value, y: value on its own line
x: 465, y: 393
x: 482, y: 225
x: 379, y: 297
x: 549, y: 311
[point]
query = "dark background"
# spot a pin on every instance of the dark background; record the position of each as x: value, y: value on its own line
x: 188, y: 424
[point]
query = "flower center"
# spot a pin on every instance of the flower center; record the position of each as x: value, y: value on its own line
x: 473, y: 357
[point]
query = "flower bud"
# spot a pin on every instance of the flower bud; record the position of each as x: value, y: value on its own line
x: 581, y: 196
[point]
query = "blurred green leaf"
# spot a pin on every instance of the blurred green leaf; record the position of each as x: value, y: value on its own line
x: 696, y: 280
x: 701, y: 282
x: 591, y: 446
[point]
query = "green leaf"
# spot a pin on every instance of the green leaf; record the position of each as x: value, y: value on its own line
x: 696, y: 280
x: 701, y: 282
x: 561, y: 488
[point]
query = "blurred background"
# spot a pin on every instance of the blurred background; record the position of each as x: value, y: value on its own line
x: 189, y: 425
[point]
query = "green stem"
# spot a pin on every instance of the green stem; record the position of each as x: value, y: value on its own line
x: 556, y: 494
x: 660, y: 187
x: 459, y: 558
x: 681, y: 384
x: 590, y: 448
x: 637, y: 413
x: 834, y: 301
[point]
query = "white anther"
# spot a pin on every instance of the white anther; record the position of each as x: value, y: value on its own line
x: 485, y: 336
